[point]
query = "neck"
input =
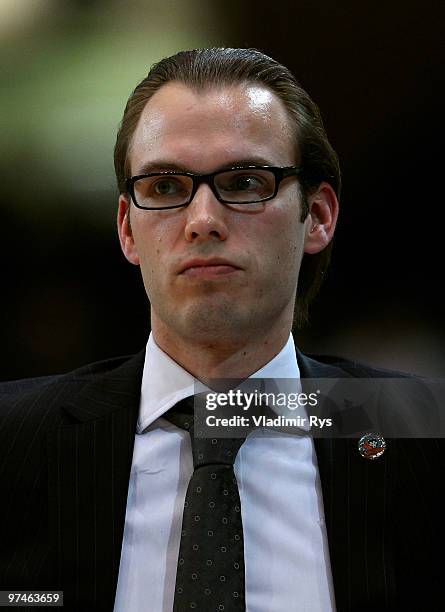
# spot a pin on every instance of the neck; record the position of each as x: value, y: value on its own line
x: 229, y: 358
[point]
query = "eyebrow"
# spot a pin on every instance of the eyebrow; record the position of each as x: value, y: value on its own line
x: 168, y: 166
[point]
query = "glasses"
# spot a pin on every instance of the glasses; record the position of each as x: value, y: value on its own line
x: 245, y: 185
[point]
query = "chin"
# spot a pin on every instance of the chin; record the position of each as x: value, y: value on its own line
x: 210, y: 322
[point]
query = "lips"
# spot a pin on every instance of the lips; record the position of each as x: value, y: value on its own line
x: 215, y: 263
x: 213, y: 268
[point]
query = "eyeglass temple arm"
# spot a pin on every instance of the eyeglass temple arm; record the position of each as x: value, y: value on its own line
x: 290, y: 171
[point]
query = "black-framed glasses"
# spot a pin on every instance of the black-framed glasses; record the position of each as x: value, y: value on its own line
x: 240, y: 185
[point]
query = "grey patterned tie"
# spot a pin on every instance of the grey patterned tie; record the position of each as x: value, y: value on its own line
x: 210, y: 574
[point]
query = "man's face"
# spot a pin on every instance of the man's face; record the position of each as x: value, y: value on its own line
x: 181, y: 129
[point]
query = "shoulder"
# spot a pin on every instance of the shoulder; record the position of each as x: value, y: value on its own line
x: 83, y: 373
x: 396, y: 403
x: 31, y: 410
x: 19, y: 396
x: 321, y: 365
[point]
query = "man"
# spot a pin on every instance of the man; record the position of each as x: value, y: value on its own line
x: 228, y: 203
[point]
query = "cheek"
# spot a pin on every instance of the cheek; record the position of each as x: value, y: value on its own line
x: 151, y: 257
x: 278, y: 240
x: 154, y: 239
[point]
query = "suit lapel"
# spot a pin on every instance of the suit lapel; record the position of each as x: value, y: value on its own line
x: 355, y: 498
x: 89, y: 467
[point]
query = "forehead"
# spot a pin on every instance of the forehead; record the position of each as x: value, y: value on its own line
x: 199, y: 130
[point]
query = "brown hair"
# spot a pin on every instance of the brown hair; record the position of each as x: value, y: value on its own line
x: 204, y: 68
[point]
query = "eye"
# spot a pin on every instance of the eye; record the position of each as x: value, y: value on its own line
x: 167, y: 186
x: 161, y: 190
x: 245, y: 185
x: 244, y: 182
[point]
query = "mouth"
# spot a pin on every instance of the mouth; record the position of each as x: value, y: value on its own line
x: 209, y: 268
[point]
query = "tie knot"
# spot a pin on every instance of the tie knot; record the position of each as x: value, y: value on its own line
x: 206, y: 451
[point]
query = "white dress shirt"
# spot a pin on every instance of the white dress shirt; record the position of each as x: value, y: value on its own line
x: 285, y: 545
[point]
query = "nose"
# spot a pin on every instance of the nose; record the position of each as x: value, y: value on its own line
x: 206, y: 217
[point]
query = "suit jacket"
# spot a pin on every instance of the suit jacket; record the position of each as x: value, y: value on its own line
x: 66, y: 449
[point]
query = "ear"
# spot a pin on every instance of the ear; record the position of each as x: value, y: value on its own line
x: 322, y: 218
x: 125, y: 233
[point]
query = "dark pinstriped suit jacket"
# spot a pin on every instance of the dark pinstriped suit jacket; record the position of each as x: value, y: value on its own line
x: 66, y: 448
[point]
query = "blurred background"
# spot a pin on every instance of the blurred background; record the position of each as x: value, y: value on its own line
x: 68, y: 66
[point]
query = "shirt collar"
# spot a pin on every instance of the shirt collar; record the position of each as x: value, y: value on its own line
x: 165, y: 382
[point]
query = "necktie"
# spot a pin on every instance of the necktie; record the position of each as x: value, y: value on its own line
x: 210, y: 574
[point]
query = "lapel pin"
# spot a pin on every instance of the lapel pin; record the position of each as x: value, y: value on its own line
x: 371, y: 446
